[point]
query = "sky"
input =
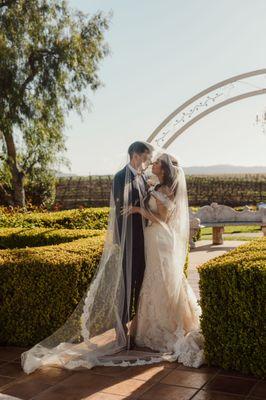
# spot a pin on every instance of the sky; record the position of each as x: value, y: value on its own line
x: 162, y: 53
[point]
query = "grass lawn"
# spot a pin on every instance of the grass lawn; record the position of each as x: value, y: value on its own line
x: 206, y: 233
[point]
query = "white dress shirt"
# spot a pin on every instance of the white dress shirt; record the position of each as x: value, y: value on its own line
x: 136, y: 173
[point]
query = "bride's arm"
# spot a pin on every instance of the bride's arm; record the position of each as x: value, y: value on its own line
x: 161, y: 215
x: 152, y: 216
x: 164, y: 199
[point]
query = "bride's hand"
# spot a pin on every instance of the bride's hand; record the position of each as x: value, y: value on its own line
x: 135, y: 210
x: 150, y: 183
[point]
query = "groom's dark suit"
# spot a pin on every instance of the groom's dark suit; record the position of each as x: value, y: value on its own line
x: 138, y: 258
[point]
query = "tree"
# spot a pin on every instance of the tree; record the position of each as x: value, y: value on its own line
x: 49, y: 56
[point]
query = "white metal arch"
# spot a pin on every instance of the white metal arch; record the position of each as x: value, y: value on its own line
x: 180, y: 119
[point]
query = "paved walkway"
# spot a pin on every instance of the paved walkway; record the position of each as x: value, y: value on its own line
x: 164, y: 381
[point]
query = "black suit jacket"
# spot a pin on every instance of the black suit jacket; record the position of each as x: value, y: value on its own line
x: 134, y: 200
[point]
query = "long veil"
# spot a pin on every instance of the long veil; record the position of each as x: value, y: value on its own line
x: 94, y: 333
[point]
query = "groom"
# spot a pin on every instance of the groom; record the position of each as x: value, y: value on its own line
x: 139, y: 153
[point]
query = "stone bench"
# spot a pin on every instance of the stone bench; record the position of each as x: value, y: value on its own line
x: 218, y: 216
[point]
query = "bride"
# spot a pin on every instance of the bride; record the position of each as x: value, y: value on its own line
x: 168, y: 313
x: 166, y: 324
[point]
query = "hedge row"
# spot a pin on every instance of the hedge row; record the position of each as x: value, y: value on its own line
x: 233, y: 298
x: 41, y: 286
x: 19, y: 238
x: 87, y: 218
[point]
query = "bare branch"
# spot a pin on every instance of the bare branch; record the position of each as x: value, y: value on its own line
x: 33, y: 57
x: 34, y: 71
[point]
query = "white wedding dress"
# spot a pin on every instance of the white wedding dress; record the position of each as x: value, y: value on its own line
x: 168, y: 313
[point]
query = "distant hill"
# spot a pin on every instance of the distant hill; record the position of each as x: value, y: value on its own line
x: 221, y: 169
x: 59, y: 174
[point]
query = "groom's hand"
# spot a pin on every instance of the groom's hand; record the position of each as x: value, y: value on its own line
x: 130, y: 210
x: 125, y: 210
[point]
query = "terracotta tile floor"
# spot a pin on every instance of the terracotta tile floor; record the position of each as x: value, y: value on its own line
x: 164, y: 381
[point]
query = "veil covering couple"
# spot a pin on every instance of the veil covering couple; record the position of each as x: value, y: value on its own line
x: 139, y: 307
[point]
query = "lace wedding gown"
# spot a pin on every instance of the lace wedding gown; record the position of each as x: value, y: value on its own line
x: 168, y: 313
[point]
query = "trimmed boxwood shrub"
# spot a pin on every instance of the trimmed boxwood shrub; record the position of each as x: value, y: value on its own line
x: 187, y: 261
x: 40, y: 287
x: 233, y: 298
x: 23, y: 237
x: 87, y: 218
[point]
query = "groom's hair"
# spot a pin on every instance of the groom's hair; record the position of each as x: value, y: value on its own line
x: 137, y: 147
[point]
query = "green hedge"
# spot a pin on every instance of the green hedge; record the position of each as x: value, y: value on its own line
x: 40, y: 287
x: 87, y: 218
x: 233, y: 298
x: 187, y: 261
x: 22, y: 237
